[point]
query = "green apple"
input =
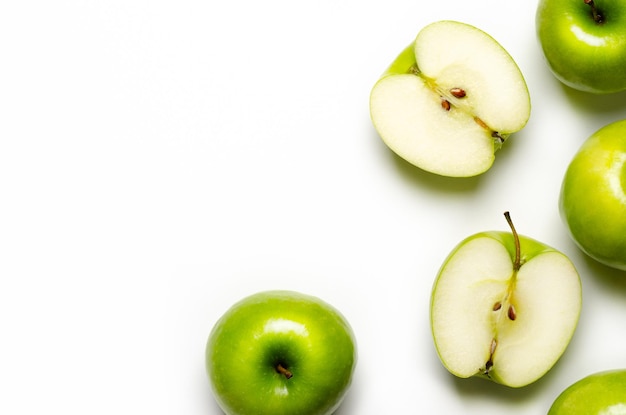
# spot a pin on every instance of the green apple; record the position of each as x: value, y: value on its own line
x: 603, y: 393
x: 450, y: 100
x: 504, y: 307
x: 584, y: 42
x: 281, y: 352
x: 593, y: 196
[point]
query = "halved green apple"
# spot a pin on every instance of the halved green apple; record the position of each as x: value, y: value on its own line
x: 450, y: 100
x: 504, y: 307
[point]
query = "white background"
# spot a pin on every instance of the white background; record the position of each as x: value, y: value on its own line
x: 160, y: 160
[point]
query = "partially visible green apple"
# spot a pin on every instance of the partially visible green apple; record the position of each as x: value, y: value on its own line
x: 602, y: 393
x: 281, y: 353
x: 450, y: 100
x: 504, y: 307
x: 593, y: 196
x: 584, y: 42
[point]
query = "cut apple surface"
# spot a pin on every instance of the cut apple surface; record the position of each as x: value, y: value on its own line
x: 504, y: 307
x: 450, y: 99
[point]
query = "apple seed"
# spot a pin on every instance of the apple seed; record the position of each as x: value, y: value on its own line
x: 489, y: 363
x: 497, y: 306
x: 445, y: 104
x: 511, y: 313
x: 488, y: 367
x: 458, y: 92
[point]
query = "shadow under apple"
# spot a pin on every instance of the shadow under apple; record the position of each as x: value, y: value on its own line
x: 442, y: 184
x: 214, y: 408
x: 480, y: 388
x: 434, y: 182
x: 349, y: 401
x: 605, y: 105
x: 613, y: 279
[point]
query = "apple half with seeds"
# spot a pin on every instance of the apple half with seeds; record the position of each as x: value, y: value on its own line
x: 450, y: 100
x: 504, y: 307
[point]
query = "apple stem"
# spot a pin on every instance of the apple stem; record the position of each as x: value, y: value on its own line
x: 284, y: 371
x: 597, y: 16
x: 517, y: 262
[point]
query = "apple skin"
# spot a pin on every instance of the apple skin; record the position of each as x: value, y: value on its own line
x: 581, y: 53
x: 602, y: 393
x: 307, y: 336
x: 592, y: 202
x: 403, y: 63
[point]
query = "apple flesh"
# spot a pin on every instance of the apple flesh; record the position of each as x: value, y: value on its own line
x: 504, y: 307
x: 584, y: 42
x: 593, y: 196
x: 280, y: 353
x: 602, y: 393
x: 450, y: 100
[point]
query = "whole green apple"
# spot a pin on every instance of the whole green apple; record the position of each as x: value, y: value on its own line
x: 593, y: 196
x: 504, y: 307
x: 584, y: 42
x: 602, y: 393
x: 281, y: 352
